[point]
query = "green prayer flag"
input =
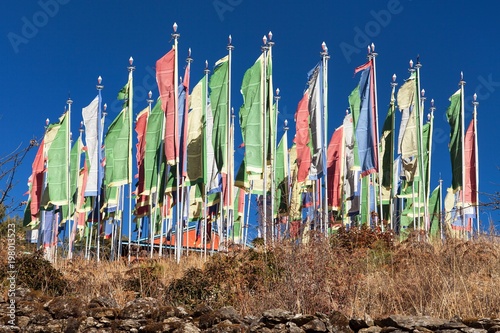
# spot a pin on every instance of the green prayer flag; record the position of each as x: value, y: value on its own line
x: 434, y: 211
x: 454, y: 114
x: 219, y: 83
x: 116, y: 147
x: 57, y: 164
x: 153, y: 154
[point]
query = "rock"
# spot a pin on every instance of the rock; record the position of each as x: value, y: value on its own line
x: 187, y: 327
x: 99, y: 313
x: 409, y: 323
x: 201, y: 310
x: 180, y: 312
x: 25, y: 308
x: 484, y: 323
x: 40, y: 317
x: 141, y: 308
x: 371, y: 329
x: 165, y: 312
x: 72, y: 325
x: 22, y: 321
x: 339, y: 322
x: 359, y: 323
x: 293, y: 328
x: 10, y: 328
x: 473, y: 330
x: 275, y: 316
x: 314, y: 325
x: 494, y: 329
x: 227, y: 326
x: 128, y: 325
x: 448, y: 331
x: 103, y: 302
x: 230, y: 313
x: 419, y: 329
x: 64, y: 307
x: 302, y: 319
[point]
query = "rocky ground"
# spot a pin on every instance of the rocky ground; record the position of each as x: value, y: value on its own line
x: 37, y: 313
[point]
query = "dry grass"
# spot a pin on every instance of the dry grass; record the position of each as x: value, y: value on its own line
x: 356, y: 273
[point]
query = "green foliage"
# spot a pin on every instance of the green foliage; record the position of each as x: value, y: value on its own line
x: 36, y: 273
x: 225, y: 279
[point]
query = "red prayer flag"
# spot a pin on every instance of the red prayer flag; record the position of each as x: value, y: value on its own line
x: 302, y: 138
x: 38, y: 169
x: 334, y: 168
x: 165, y: 72
x: 470, y: 186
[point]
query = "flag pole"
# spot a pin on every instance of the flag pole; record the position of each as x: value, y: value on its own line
x: 205, y: 166
x: 324, y: 59
x: 130, y: 106
x: 393, y: 121
x: 265, y: 49
x: 425, y: 187
x: 178, y: 236
x: 229, y: 152
x: 441, y: 207
x: 475, y: 103
x: 420, y: 154
x: 430, y: 118
x: 100, y: 124
x: 68, y: 187
x: 372, y: 55
x: 462, y: 109
x: 277, y: 97
x: 272, y: 134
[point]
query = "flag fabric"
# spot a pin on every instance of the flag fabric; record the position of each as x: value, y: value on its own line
x: 183, y: 110
x: 434, y: 212
x: 316, y: 125
x: 251, y: 117
x: 57, y: 164
x: 335, y: 169
x: 406, y: 101
x: 365, y: 126
x: 165, y: 76
x: 196, y: 161
x: 302, y: 138
x: 281, y: 177
x: 91, y: 121
x: 352, y: 183
x: 387, y: 152
x: 219, y: 99
x: 470, y: 167
x: 142, y: 201
x: 454, y: 114
x: 152, y: 155
x: 116, y: 149
x: 37, y: 175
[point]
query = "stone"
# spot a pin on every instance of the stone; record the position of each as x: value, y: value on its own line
x: 302, y: 319
x: 314, y: 325
x: 9, y: 329
x: 64, y: 307
x: 103, y: 302
x: 180, y: 312
x: 494, y: 329
x: 409, y: 323
x: 473, y: 330
x: 230, y: 313
x: 22, y: 321
x: 339, y: 322
x: 100, y: 312
x: 293, y: 328
x: 141, y: 308
x: 371, y: 329
x: 187, y: 327
x: 276, y: 316
x: 40, y: 317
x: 227, y: 326
x: 201, y: 310
x: 358, y: 323
x: 129, y: 325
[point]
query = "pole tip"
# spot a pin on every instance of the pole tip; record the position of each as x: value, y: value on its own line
x: 174, y: 26
x: 130, y: 61
x: 99, y: 80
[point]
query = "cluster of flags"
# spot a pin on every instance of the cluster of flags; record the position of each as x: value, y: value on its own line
x: 187, y: 193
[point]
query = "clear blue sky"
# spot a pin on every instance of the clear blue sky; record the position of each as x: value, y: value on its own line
x: 50, y: 48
